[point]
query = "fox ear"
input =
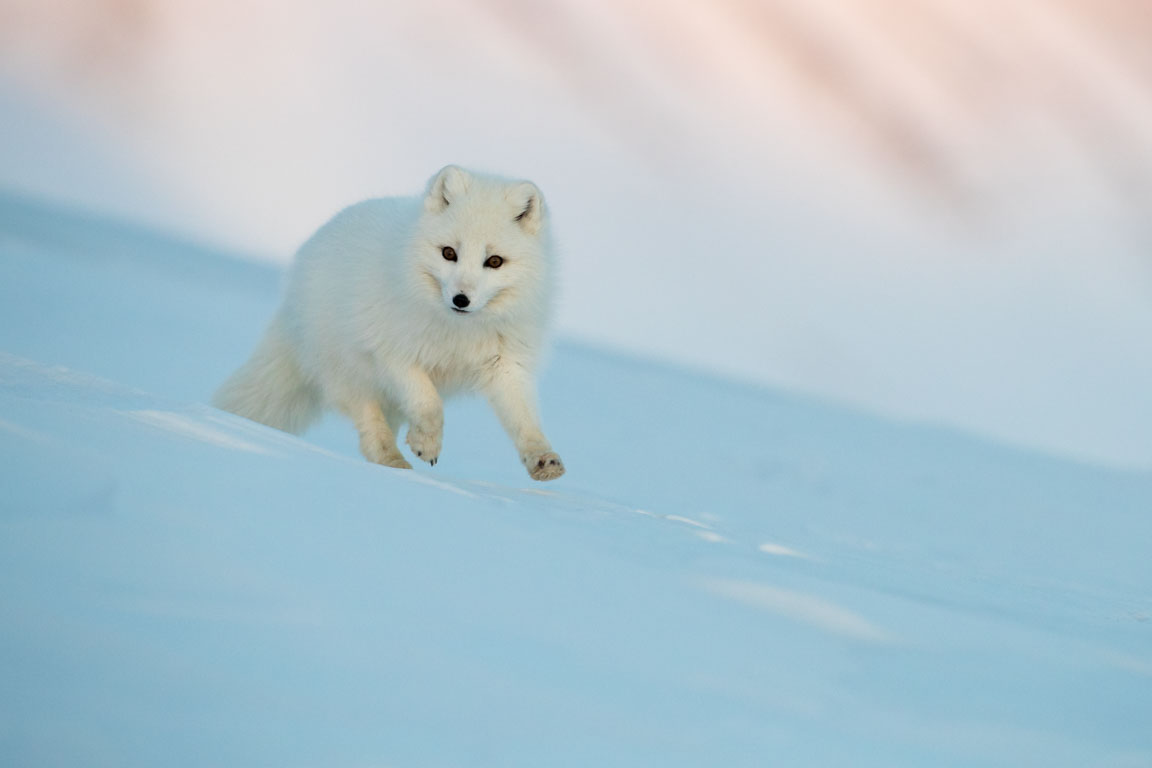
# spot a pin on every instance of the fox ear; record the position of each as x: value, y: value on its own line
x: 448, y: 185
x: 528, y: 205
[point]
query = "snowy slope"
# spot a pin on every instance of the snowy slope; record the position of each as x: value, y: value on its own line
x: 727, y: 576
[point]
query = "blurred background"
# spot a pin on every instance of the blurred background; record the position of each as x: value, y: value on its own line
x: 933, y: 209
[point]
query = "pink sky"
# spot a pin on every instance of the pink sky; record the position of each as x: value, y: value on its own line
x: 933, y: 209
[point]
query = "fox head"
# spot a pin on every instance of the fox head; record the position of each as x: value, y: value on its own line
x: 481, y: 244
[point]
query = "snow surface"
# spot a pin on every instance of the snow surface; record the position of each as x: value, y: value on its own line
x: 728, y: 575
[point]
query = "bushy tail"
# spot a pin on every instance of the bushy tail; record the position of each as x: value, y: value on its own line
x: 270, y: 388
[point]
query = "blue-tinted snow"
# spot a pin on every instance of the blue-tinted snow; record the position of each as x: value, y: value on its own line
x: 727, y: 575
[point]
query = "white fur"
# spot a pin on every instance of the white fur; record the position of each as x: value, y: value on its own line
x: 368, y: 327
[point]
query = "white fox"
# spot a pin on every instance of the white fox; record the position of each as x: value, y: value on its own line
x: 398, y: 302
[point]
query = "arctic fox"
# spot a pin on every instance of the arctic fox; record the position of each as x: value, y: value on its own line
x: 399, y: 302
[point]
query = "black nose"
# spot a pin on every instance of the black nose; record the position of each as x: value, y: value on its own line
x: 460, y: 300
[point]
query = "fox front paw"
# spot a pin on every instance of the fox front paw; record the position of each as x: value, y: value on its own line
x: 425, y: 442
x: 544, y: 466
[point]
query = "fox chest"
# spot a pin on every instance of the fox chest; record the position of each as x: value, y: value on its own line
x: 463, y: 365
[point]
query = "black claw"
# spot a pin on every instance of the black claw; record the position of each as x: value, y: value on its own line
x: 419, y: 453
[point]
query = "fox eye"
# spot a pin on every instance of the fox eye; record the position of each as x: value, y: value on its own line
x: 494, y: 262
x: 449, y: 253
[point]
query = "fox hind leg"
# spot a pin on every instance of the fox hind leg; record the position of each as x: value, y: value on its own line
x: 377, y: 438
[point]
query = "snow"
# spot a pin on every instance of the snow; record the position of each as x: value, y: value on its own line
x: 728, y: 575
